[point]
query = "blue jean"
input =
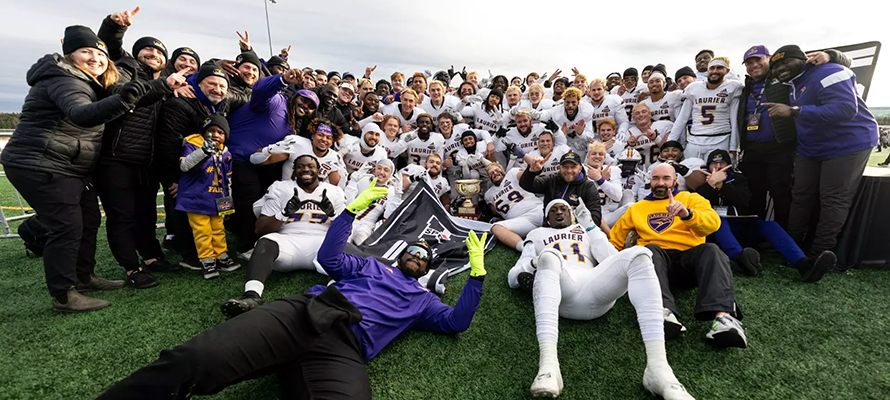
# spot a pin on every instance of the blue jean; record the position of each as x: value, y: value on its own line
x: 751, y: 230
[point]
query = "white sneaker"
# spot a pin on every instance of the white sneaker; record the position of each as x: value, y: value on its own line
x: 672, y: 326
x: 548, y: 383
x: 245, y: 255
x: 662, y: 382
x: 726, y: 331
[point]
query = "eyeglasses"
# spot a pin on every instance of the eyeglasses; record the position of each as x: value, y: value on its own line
x: 419, y: 252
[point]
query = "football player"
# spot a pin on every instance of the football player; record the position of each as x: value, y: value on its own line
x: 520, y: 210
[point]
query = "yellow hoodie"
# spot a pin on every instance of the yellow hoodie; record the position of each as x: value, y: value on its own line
x: 649, y: 218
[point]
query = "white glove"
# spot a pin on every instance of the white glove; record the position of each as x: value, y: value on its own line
x: 280, y: 148
x: 543, y: 78
x: 582, y: 214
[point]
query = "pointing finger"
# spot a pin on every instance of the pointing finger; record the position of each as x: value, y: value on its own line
x: 725, y: 168
x: 135, y: 11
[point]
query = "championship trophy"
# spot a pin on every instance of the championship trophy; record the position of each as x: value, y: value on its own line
x: 468, y: 188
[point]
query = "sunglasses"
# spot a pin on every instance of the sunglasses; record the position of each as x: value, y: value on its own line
x: 419, y: 252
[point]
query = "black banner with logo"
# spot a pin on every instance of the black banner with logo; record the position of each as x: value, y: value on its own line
x: 421, y: 216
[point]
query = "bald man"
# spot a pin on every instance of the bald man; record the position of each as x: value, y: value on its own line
x: 674, y: 225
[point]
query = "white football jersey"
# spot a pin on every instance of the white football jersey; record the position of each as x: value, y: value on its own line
x: 439, y: 184
x: 451, y: 144
x: 485, y: 120
x: 309, y: 220
x: 551, y: 163
x: 355, y: 159
x: 544, y: 104
x: 611, y: 191
x: 610, y: 107
x: 510, y: 200
x: 667, y: 108
x: 474, y: 161
x: 649, y: 149
x: 629, y: 99
x: 394, y: 148
x: 381, y: 208
x: 395, y: 109
x: 449, y: 103
x: 578, y: 142
x: 711, y: 111
x: 571, y: 241
x: 330, y: 162
x: 418, y: 149
x: 612, y: 152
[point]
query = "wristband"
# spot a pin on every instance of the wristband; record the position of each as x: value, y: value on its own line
x: 688, y: 217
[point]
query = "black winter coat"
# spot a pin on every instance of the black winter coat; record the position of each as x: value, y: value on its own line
x: 131, y: 138
x: 554, y: 187
x: 179, y: 117
x: 734, y: 195
x: 62, y: 120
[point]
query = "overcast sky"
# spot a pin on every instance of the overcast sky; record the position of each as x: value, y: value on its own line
x: 508, y: 37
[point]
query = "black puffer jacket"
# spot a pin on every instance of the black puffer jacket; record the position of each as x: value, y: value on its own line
x: 131, y: 138
x: 179, y: 117
x: 734, y: 195
x: 62, y: 120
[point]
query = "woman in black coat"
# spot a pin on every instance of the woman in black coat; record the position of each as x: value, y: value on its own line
x: 52, y: 153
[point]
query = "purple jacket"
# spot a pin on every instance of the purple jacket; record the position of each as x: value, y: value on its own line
x: 201, y: 186
x: 262, y: 121
x: 391, y: 303
x: 833, y: 119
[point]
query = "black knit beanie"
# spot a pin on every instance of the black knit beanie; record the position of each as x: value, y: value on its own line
x: 187, y: 51
x: 149, y: 41
x: 77, y: 36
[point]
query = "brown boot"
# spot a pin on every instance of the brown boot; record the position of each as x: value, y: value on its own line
x: 78, y: 303
x: 96, y: 284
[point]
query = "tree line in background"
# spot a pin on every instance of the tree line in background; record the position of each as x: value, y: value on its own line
x: 9, y: 120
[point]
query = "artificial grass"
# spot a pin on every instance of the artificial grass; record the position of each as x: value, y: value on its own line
x: 819, y: 341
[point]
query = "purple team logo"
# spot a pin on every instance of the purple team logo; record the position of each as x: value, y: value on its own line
x: 659, y: 222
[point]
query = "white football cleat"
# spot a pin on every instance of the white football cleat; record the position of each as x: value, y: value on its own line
x: 548, y: 383
x: 662, y: 382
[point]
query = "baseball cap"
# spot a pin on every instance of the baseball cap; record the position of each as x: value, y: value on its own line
x: 347, y: 85
x: 756, y: 51
x: 309, y: 95
x: 719, y: 155
x: 570, y: 157
x: 787, y: 51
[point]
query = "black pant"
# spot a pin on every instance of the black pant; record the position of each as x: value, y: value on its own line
x: 69, y: 210
x: 824, y: 187
x: 249, y: 184
x: 129, y: 194
x: 276, y: 338
x: 771, y: 173
x: 177, y: 224
x: 704, y: 266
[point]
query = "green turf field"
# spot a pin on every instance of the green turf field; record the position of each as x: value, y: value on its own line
x: 819, y: 341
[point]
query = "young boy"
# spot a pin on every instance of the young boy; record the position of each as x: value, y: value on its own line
x: 204, y: 193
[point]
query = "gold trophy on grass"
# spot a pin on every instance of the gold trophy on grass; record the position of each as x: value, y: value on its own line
x: 468, y: 188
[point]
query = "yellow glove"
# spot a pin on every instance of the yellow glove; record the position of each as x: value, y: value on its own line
x: 368, y: 196
x: 476, y: 249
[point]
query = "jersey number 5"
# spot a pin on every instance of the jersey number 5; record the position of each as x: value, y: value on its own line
x: 707, y: 114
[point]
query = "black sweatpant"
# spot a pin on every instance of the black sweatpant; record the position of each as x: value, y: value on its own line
x: 771, y: 173
x: 128, y: 194
x: 249, y: 184
x: 704, y: 266
x: 69, y: 210
x: 177, y: 224
x: 278, y: 337
x: 824, y: 187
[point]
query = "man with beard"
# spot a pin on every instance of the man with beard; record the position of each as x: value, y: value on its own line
x: 574, y: 119
x: 573, y: 272
x: 606, y: 106
x: 321, y: 341
x: 520, y: 211
x: 673, y: 225
x: 647, y: 136
x: 835, y: 134
x: 438, y: 101
x: 551, y: 152
x: 292, y: 218
x: 406, y: 109
x: 689, y: 170
x: 663, y: 105
x: 126, y: 183
x: 324, y: 135
x: 431, y: 173
x: 382, y: 177
x: 570, y: 184
x: 365, y: 152
x: 327, y: 107
x: 179, y: 118
x: 702, y: 65
x: 713, y: 107
x: 427, y: 142
x: 266, y: 119
x: 524, y: 136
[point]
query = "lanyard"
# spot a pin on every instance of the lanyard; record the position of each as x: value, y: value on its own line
x: 217, y: 170
x: 759, y: 97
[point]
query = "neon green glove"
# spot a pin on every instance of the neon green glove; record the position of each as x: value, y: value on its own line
x: 368, y: 196
x: 476, y: 249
